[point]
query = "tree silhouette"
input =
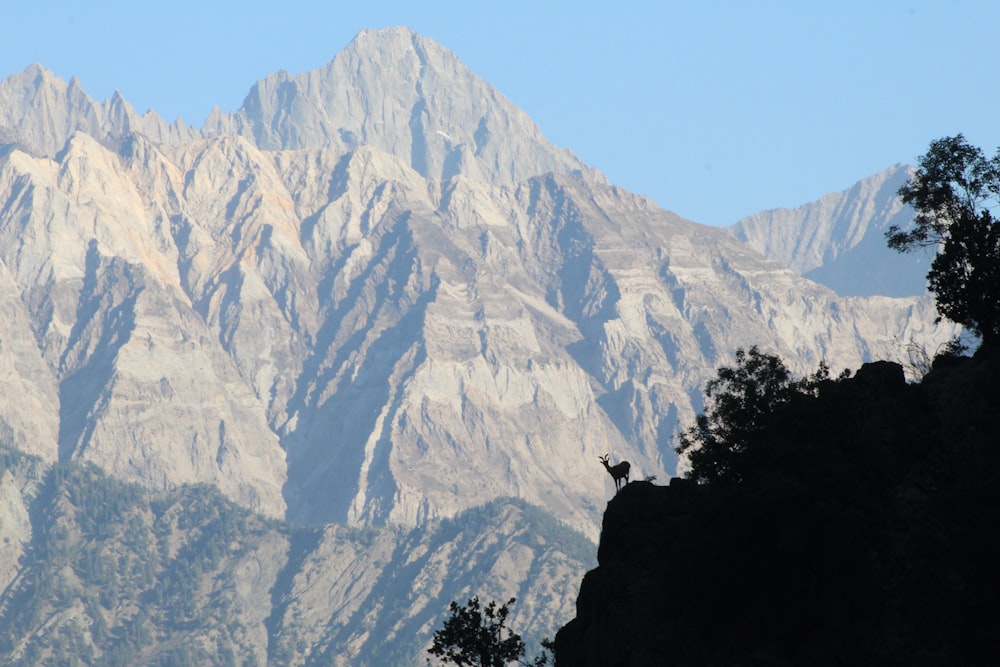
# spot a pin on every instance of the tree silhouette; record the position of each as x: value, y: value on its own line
x: 479, y: 637
x: 739, y: 404
x: 955, y: 192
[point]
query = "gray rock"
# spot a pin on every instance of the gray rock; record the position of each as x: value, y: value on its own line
x: 405, y: 95
x: 839, y: 241
x: 42, y: 112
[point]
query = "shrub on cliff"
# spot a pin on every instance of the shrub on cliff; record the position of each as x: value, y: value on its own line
x: 740, y: 404
x: 478, y: 636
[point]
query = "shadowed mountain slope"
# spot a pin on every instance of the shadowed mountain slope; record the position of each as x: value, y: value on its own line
x: 95, y: 571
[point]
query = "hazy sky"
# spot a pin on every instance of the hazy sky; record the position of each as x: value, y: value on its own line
x: 714, y: 109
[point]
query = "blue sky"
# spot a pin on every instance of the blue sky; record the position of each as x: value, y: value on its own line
x: 714, y: 109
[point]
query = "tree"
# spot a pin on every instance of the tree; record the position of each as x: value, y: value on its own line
x: 479, y: 637
x: 739, y: 404
x: 955, y: 192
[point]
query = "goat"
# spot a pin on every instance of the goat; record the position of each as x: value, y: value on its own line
x: 618, y: 472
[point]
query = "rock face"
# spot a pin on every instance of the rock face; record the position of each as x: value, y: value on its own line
x: 39, y: 112
x: 404, y: 95
x: 839, y: 241
x: 132, y: 374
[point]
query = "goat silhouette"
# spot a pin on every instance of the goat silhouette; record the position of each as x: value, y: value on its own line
x: 618, y: 472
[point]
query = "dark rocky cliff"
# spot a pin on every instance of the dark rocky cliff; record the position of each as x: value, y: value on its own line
x: 867, y: 535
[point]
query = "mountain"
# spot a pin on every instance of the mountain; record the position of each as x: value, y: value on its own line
x: 375, y: 297
x: 839, y: 241
x: 125, y: 576
x: 404, y: 95
x: 334, y: 338
x: 39, y: 112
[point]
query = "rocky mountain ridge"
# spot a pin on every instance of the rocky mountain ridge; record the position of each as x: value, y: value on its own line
x: 39, y: 112
x: 427, y: 109
x: 839, y: 241
x: 102, y: 572
x: 366, y: 334
x: 390, y: 89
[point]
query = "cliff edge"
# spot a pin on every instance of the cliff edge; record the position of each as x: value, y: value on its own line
x: 867, y: 537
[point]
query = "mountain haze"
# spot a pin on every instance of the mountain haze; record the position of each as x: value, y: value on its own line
x: 375, y: 296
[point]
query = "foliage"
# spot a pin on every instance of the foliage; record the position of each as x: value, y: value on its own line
x: 955, y: 192
x: 139, y: 568
x: 115, y: 574
x: 917, y: 362
x: 740, y: 403
x: 479, y: 636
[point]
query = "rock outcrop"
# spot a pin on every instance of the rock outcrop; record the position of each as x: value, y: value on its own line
x: 864, y: 541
